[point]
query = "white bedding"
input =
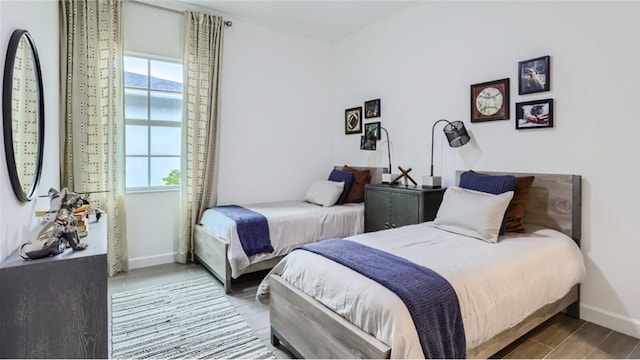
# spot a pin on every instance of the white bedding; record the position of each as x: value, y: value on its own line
x: 291, y: 223
x: 498, y: 285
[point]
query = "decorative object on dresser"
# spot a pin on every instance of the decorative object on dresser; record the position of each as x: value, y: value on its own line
x: 56, y: 307
x: 387, y: 206
x: 534, y: 75
x: 457, y: 136
x: 353, y: 121
x: 372, y: 108
x: 59, y: 233
x: 23, y: 115
x: 490, y: 100
x: 534, y: 114
x: 404, y: 175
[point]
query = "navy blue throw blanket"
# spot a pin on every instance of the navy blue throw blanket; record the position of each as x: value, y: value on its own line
x: 252, y: 227
x: 430, y: 299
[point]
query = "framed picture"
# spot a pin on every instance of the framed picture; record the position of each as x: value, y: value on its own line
x: 534, y: 75
x: 372, y: 108
x: 534, y: 114
x: 490, y: 101
x: 353, y: 121
x: 367, y: 143
x: 372, y: 130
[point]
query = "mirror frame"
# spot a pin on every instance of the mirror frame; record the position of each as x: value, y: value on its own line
x: 23, y: 195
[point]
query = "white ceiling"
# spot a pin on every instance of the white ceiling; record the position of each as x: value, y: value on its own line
x: 323, y: 20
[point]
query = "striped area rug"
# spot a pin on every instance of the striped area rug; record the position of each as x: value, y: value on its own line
x: 189, y: 319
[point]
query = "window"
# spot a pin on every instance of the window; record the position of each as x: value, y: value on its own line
x: 153, y: 119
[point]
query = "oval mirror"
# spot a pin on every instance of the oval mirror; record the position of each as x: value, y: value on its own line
x: 23, y: 115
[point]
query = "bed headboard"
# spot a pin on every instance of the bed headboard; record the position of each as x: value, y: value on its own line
x: 374, y: 172
x: 555, y: 201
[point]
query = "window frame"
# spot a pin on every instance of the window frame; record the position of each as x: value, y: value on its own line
x: 149, y: 123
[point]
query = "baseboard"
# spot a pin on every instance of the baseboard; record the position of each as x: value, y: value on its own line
x: 140, y: 262
x: 617, y: 322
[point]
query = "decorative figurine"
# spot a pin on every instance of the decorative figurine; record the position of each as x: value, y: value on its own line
x: 405, y: 176
x: 59, y: 233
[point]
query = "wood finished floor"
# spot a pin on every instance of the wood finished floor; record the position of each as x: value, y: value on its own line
x: 559, y: 338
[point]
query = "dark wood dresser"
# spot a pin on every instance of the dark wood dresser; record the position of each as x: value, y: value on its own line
x: 56, y: 307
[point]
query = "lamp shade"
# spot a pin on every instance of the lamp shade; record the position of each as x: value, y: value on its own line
x: 456, y: 134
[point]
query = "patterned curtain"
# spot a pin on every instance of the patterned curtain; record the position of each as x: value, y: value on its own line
x: 202, y: 63
x: 92, y: 131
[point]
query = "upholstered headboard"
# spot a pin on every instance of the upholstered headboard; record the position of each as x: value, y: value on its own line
x: 555, y: 201
x: 374, y: 172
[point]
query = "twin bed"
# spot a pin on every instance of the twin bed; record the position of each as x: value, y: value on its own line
x: 291, y: 223
x: 321, y: 309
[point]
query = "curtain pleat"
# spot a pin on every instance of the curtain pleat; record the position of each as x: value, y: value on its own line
x: 92, y: 126
x: 202, y: 64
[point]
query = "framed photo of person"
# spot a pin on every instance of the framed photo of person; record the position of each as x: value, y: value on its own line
x: 534, y: 75
x: 534, y: 114
x: 372, y: 108
x: 353, y: 121
x: 490, y: 101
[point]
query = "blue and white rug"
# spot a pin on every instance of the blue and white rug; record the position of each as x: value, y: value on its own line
x: 190, y: 319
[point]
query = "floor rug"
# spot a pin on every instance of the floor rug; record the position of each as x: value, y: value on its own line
x: 189, y: 319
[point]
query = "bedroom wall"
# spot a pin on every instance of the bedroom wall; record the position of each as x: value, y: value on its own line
x: 274, y: 124
x: 152, y: 235
x: 421, y: 61
x: 40, y: 18
x: 276, y: 118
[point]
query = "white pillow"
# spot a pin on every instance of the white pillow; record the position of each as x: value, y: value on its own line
x: 472, y: 213
x: 324, y: 192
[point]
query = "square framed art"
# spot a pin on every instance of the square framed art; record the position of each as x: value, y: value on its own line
x: 372, y: 108
x: 490, y: 100
x: 372, y: 130
x: 534, y: 75
x: 534, y: 114
x: 353, y: 121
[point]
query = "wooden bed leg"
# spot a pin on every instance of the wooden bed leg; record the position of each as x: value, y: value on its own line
x: 573, y: 310
x: 274, y: 339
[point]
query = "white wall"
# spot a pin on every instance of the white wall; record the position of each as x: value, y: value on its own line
x: 274, y: 121
x: 153, y: 218
x: 276, y: 128
x: 40, y: 18
x: 421, y: 62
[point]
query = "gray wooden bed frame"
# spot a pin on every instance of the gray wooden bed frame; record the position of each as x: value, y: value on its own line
x: 211, y: 251
x: 311, y: 330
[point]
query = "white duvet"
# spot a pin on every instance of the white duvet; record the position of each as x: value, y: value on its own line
x: 291, y: 223
x: 498, y: 285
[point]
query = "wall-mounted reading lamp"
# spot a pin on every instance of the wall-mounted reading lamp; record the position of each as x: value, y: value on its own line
x: 457, y: 136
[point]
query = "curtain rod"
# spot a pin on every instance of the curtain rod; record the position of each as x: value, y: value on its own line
x: 227, y: 23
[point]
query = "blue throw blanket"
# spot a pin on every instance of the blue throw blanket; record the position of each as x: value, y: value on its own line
x: 252, y: 227
x: 430, y: 299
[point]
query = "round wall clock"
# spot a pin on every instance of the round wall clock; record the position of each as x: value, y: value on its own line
x: 490, y: 101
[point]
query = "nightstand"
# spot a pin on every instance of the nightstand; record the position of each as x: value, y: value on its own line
x: 387, y: 206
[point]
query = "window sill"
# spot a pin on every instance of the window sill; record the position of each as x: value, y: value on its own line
x: 136, y: 191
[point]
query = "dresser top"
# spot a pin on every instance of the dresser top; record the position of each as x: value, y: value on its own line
x: 97, y: 240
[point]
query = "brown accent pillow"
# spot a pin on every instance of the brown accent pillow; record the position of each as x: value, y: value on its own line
x: 518, y: 203
x: 360, y: 178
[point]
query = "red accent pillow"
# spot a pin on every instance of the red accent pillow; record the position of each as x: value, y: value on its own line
x: 360, y: 179
x: 518, y: 203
